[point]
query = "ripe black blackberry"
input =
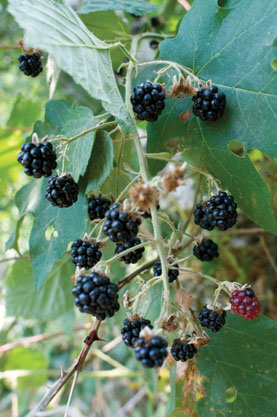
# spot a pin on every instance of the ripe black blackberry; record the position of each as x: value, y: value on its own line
x: 97, y: 207
x: 120, y: 226
x: 85, y: 254
x: 62, y: 191
x: 38, y: 160
x: 172, y: 273
x: 206, y: 251
x: 201, y: 218
x: 131, y: 330
x: 30, y: 64
x: 151, y: 353
x: 148, y: 101
x: 131, y: 257
x: 212, y: 319
x: 209, y: 103
x: 95, y: 294
x: 182, y: 351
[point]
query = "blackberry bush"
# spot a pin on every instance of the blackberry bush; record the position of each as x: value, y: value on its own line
x: 182, y: 351
x: 85, y: 254
x: 131, y: 330
x: 245, y: 303
x: 95, y: 294
x: 212, y: 319
x: 209, y: 103
x: 30, y: 64
x: 220, y: 211
x: 131, y: 257
x: 97, y: 207
x: 151, y: 353
x: 39, y: 160
x: 148, y: 101
x: 62, y: 191
x: 120, y: 226
x: 172, y: 273
x: 206, y: 251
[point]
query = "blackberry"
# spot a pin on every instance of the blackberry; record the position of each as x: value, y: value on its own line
x: 85, y: 254
x: 95, y: 294
x: 209, y: 103
x: 212, y: 319
x: 151, y: 353
x: 206, y: 251
x: 154, y: 44
x: 220, y: 211
x: 245, y: 303
x: 131, y: 257
x: 38, y: 160
x: 97, y: 207
x: 120, y: 227
x: 131, y: 330
x: 62, y: 191
x: 172, y: 273
x: 182, y: 351
x: 30, y: 64
x: 148, y: 101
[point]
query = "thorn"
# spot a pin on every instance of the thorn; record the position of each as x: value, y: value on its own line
x: 62, y: 372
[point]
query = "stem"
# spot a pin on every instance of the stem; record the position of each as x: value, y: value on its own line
x: 10, y: 47
x: 133, y: 274
x: 145, y: 176
x: 132, y: 249
x: 179, y: 68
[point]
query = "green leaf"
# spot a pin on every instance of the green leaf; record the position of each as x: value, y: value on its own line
x: 54, y: 298
x: 12, y: 242
x: 101, y: 161
x: 25, y: 112
x: 79, y: 120
x: 54, y: 27
x: 136, y: 7
x: 30, y: 360
x: 68, y: 224
x: 211, y: 40
x: 241, y: 359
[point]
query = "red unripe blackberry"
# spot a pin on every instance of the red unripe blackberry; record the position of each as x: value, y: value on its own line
x: 151, y: 353
x: 131, y: 257
x: 131, y: 330
x: 212, y: 319
x: 97, y: 207
x: 120, y: 226
x: 206, y: 251
x: 148, y: 101
x: 62, y: 191
x: 85, y: 254
x: 209, y: 103
x: 95, y: 294
x: 39, y: 159
x: 172, y: 273
x: 245, y: 303
x: 30, y: 64
x: 182, y: 351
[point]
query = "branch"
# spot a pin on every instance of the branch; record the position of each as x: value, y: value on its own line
x: 75, y: 368
x: 133, y: 274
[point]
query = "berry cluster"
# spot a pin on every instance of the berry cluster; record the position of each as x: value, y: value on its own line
x: 151, y: 353
x: 212, y: 319
x: 206, y: 251
x: 172, y: 273
x: 148, y: 101
x: 131, y: 330
x: 120, y: 227
x: 97, y: 207
x: 131, y: 257
x: 220, y: 211
x: 245, y: 303
x: 209, y: 103
x: 85, y: 254
x: 30, y: 64
x: 95, y: 294
x: 182, y: 351
x: 62, y: 191
x: 38, y: 160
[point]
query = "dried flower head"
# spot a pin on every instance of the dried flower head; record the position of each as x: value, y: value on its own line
x: 173, y: 178
x: 144, y: 196
x: 179, y: 89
